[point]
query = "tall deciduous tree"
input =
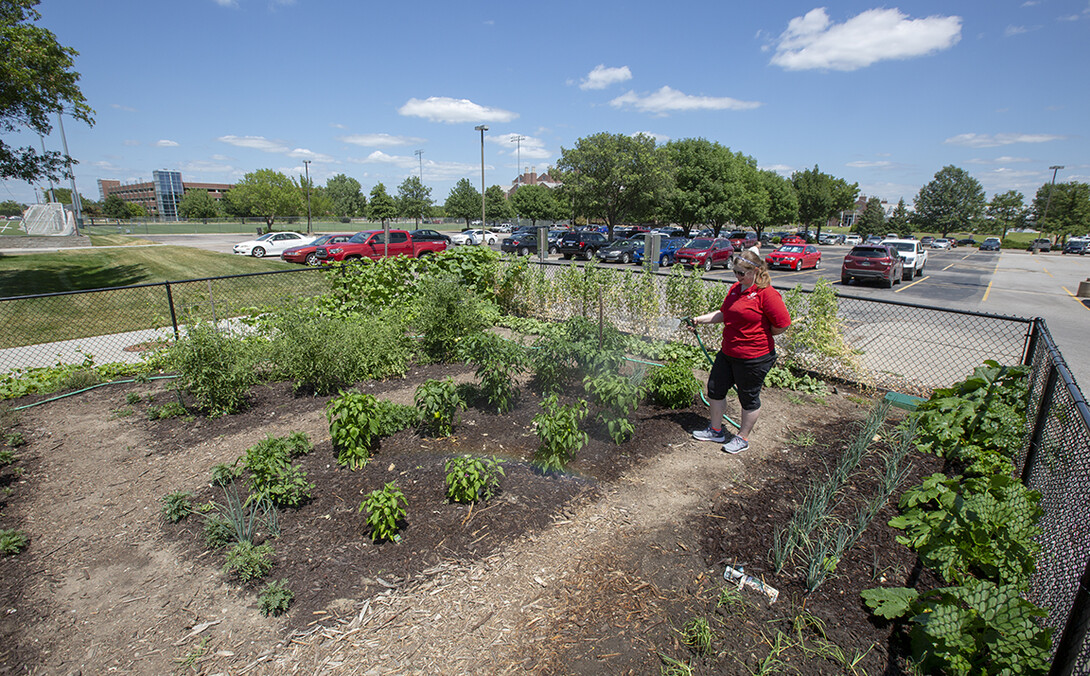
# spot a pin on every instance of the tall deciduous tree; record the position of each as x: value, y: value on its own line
x: 1069, y: 210
x: 382, y: 207
x: 36, y: 82
x: 114, y: 207
x: 346, y: 196
x: 497, y: 205
x: 899, y: 221
x: 783, y: 202
x: 268, y: 194
x: 613, y: 176
x: 873, y: 220
x: 198, y: 204
x: 413, y: 199
x: 822, y: 196
x: 535, y: 202
x: 951, y: 202
x: 1005, y: 211
x: 464, y: 201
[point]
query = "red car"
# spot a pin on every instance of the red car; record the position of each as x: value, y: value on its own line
x: 793, y: 239
x: 795, y: 257
x: 306, y: 254
x: 706, y: 253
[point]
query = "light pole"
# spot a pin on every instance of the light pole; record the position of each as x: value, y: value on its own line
x: 306, y: 167
x: 1052, y: 186
x: 518, y: 170
x: 420, y: 156
x: 482, y: 128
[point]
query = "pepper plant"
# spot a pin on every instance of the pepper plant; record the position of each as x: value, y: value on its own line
x: 439, y: 402
x: 384, y: 509
x: 557, y: 427
x: 471, y: 479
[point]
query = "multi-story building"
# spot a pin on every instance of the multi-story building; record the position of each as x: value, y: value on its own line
x: 160, y: 196
x: 532, y: 178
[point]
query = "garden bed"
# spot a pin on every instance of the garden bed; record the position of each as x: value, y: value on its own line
x: 597, y: 570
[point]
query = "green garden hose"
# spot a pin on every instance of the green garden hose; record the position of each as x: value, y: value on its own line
x: 86, y: 389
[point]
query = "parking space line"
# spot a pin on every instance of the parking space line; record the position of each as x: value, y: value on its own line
x: 1049, y: 274
x: 912, y: 284
x: 986, y: 292
x: 1076, y: 298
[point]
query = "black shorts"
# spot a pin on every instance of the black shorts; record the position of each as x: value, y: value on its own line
x: 747, y: 375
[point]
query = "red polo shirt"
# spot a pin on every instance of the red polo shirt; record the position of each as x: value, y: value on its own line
x: 748, y: 318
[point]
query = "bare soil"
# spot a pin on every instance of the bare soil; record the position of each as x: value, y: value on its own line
x: 594, y: 571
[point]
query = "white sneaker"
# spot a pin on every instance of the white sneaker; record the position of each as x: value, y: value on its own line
x: 736, y: 445
x: 709, y: 434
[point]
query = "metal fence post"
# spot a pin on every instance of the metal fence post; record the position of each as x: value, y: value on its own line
x: 173, y: 316
x: 1031, y: 341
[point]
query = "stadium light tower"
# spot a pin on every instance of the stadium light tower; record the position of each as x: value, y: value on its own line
x: 306, y: 167
x: 420, y: 156
x: 482, y: 128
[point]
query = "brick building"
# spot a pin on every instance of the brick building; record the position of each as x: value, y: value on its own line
x: 161, y: 195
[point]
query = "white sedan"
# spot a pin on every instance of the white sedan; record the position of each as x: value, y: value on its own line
x: 474, y: 237
x: 272, y: 243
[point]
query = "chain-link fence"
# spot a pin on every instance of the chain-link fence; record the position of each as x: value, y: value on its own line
x: 885, y: 344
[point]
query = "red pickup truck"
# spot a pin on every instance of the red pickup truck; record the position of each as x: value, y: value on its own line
x: 372, y: 244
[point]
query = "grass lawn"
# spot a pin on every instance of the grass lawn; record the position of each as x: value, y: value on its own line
x: 38, y: 320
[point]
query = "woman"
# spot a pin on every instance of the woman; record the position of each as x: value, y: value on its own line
x: 752, y: 313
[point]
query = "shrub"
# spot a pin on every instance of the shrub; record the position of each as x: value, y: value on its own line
x: 176, y: 506
x: 439, y: 402
x: 558, y: 430
x: 275, y: 598
x: 216, y: 368
x: 471, y: 479
x: 499, y: 362
x: 12, y: 541
x: 273, y: 475
x: 384, y: 509
x: 673, y: 385
x: 445, y: 314
x: 249, y: 562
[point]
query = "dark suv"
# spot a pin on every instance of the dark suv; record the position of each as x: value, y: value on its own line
x: 580, y: 244
x: 1076, y: 246
x: 873, y: 261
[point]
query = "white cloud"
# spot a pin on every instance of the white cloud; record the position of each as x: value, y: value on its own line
x: 131, y: 142
x: 226, y: 3
x: 445, y: 109
x: 304, y: 154
x: 659, y: 138
x: 813, y: 41
x: 255, y: 142
x: 1011, y: 31
x: 601, y: 77
x: 166, y: 143
x: 667, y: 100
x: 380, y: 140
x: 870, y: 164
x: 529, y: 147
x: 106, y: 166
x: 1005, y: 159
x: 993, y: 141
x: 433, y: 171
x: 127, y: 109
x: 782, y: 169
x: 205, y: 167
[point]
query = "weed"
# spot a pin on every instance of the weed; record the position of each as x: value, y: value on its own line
x: 276, y: 598
x: 123, y: 412
x: 171, y: 409
x: 697, y: 634
x: 80, y: 379
x: 15, y: 439
x: 7, y: 457
x: 384, y: 509
x: 674, y: 667
x: 194, y: 654
x: 176, y: 506
x: 218, y: 532
x: 132, y: 398
x: 803, y: 439
x: 729, y: 595
x: 471, y: 479
x: 12, y: 541
x: 249, y: 562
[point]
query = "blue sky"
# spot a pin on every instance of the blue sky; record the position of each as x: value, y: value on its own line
x: 880, y: 95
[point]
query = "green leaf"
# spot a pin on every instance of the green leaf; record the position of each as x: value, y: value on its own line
x: 889, y: 602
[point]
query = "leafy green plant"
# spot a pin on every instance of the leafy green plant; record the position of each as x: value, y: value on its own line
x: 557, y: 428
x: 697, y: 634
x: 7, y: 457
x: 499, y: 362
x: 616, y: 397
x: 384, y: 509
x: 816, y: 330
x: 248, y: 561
x: 176, y: 506
x: 216, y: 368
x: 132, y: 398
x: 982, y: 527
x: 446, y: 313
x: 784, y: 378
x: 223, y: 474
x: 979, y: 421
x: 15, y: 439
x: 470, y: 479
x: 218, y: 531
x: 803, y: 439
x: 439, y: 402
x: 275, y: 598
x: 12, y: 541
x: 171, y: 409
x: 975, y: 628
x: 272, y: 473
x: 673, y: 385
x: 355, y: 424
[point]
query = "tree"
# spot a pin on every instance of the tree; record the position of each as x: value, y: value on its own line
x: 873, y: 221
x: 134, y: 210
x: 1006, y: 210
x: 114, y: 207
x: 413, y: 199
x: 463, y: 202
x: 1069, y: 210
x: 62, y: 195
x: 899, y: 221
x: 346, y: 196
x: 535, y: 202
x: 496, y: 204
x: 36, y: 82
x: 268, y: 194
x: 382, y: 207
x: 613, y: 176
x: 822, y: 196
x: 951, y: 202
x: 198, y: 204
x: 783, y: 202
x: 11, y: 208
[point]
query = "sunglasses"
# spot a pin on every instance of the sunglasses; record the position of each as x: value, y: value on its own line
x: 742, y: 272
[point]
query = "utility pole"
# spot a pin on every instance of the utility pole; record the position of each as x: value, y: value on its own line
x: 420, y: 156
x: 306, y: 168
x: 518, y: 173
x: 482, y: 128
